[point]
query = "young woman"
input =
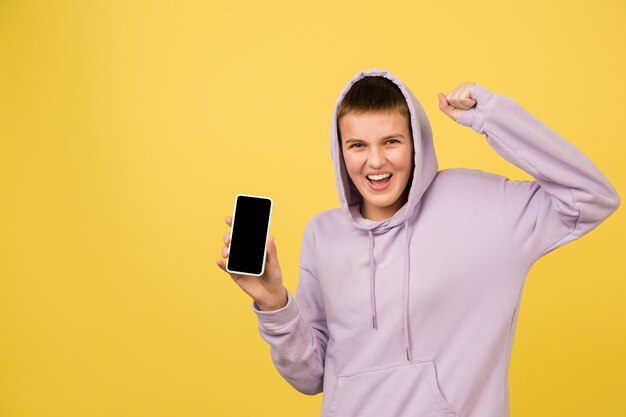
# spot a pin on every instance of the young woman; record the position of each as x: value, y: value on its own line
x: 408, y: 294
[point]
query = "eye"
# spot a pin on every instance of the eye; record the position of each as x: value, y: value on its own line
x: 355, y: 145
x: 393, y: 141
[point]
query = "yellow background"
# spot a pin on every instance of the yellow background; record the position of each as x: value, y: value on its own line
x: 127, y: 128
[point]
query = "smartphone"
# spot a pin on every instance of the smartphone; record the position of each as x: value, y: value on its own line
x: 248, y: 235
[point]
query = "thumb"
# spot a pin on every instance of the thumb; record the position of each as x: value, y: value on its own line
x: 446, y: 107
x: 272, y: 256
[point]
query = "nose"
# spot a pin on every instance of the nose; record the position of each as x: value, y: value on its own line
x: 376, y: 157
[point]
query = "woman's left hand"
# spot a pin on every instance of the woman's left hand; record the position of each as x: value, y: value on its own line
x: 457, y: 100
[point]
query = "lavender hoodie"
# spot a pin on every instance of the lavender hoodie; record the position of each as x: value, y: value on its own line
x: 415, y: 315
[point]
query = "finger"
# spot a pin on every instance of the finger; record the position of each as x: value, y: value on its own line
x: 227, y: 239
x: 456, y: 103
x: 454, y: 95
x: 221, y: 264
x: 461, y: 104
x: 459, y: 100
x: 224, y: 252
x: 469, y: 102
x: 229, y: 220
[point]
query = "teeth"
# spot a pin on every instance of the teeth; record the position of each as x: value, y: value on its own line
x: 378, y: 177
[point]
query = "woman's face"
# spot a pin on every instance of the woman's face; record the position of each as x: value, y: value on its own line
x: 378, y: 153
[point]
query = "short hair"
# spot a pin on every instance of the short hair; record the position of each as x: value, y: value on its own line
x: 373, y: 94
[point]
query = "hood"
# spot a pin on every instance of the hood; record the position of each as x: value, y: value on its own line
x: 425, y: 169
x: 425, y: 161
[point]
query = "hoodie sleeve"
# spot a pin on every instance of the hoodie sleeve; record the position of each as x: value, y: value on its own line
x: 569, y: 196
x: 297, y: 333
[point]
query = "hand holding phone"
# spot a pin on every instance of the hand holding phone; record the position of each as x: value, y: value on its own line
x: 250, y: 230
x: 250, y: 252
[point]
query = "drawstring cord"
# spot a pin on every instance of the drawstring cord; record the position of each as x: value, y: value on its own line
x: 407, y: 345
x: 373, y: 288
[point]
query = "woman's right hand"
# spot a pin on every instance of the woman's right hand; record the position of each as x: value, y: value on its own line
x: 266, y: 290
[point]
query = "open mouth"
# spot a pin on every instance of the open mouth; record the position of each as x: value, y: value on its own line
x: 379, y: 179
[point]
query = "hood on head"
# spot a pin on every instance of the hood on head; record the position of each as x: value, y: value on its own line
x: 425, y: 161
x: 424, y: 170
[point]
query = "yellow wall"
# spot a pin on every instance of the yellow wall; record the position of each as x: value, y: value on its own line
x: 127, y: 128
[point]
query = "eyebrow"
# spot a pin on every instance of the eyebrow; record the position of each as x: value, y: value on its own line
x: 397, y: 135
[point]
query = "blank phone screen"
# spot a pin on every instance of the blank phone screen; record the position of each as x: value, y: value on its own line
x: 248, y: 234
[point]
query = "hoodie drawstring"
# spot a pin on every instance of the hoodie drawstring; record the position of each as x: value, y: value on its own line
x: 373, y: 288
x: 407, y: 345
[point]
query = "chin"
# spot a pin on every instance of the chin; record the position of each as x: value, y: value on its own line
x: 383, y: 203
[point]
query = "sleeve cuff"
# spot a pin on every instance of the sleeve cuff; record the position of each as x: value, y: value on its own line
x: 276, y: 319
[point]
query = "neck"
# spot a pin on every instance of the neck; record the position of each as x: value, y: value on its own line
x: 377, y: 214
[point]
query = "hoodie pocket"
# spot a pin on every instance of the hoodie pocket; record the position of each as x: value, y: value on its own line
x: 401, y: 390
